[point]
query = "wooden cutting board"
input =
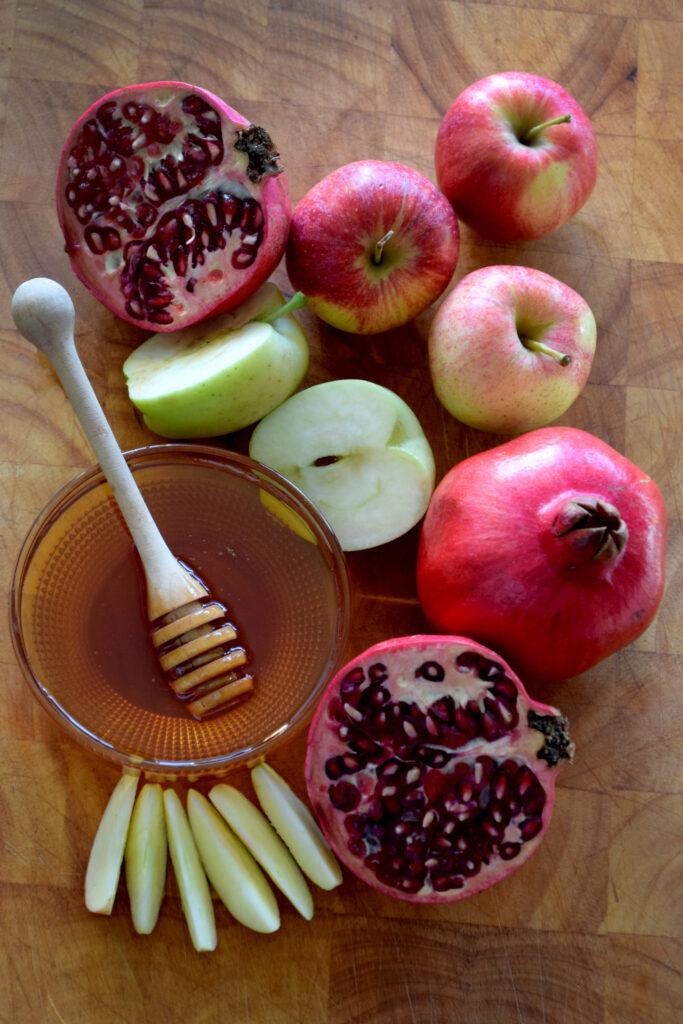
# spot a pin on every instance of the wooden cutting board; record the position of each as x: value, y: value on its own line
x: 585, y: 933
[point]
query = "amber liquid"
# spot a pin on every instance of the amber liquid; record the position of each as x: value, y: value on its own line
x: 90, y: 638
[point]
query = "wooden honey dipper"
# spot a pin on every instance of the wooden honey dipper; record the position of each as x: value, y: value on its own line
x: 189, y: 629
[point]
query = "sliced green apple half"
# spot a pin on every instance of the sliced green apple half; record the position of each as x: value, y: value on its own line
x: 219, y: 375
x: 194, y: 888
x: 296, y: 825
x: 233, y: 872
x: 358, y: 452
x: 106, y: 854
x: 263, y: 842
x: 146, y: 856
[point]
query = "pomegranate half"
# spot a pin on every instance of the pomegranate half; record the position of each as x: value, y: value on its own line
x: 430, y: 770
x: 172, y: 205
x: 550, y: 548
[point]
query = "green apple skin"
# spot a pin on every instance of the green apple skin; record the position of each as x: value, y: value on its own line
x: 221, y: 375
x: 358, y: 452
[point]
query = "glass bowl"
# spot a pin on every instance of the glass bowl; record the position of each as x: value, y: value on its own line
x: 79, y: 624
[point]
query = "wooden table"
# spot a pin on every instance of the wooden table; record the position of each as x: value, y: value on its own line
x: 586, y: 933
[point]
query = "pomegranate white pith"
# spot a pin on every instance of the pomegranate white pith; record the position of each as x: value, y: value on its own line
x: 430, y: 769
x: 172, y: 204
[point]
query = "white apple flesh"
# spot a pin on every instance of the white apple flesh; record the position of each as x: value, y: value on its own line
x: 146, y: 856
x: 233, y: 872
x: 358, y: 452
x: 220, y: 375
x: 192, y: 884
x: 510, y: 349
x: 296, y: 826
x: 106, y: 854
x: 263, y: 842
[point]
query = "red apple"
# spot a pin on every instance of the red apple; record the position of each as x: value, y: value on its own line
x: 516, y: 156
x: 372, y: 245
x: 510, y: 349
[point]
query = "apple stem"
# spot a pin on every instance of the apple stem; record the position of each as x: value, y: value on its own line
x: 296, y: 302
x: 537, y: 346
x: 379, y: 247
x: 538, y: 128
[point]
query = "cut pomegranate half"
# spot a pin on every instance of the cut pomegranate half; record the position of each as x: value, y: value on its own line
x: 172, y: 205
x: 430, y: 769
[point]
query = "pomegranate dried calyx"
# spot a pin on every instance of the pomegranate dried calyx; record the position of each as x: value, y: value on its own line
x: 261, y: 153
x: 430, y: 769
x: 557, y: 746
x: 595, y: 530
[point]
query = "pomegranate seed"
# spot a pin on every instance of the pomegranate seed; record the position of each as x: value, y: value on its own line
x: 353, y: 763
x: 335, y: 767
x: 353, y: 713
x: 410, y: 730
x: 530, y: 827
x: 431, y: 670
x: 443, y: 710
x: 505, y: 689
x: 344, y: 795
x: 524, y: 779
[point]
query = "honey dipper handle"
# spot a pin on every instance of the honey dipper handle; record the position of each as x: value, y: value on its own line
x: 44, y: 313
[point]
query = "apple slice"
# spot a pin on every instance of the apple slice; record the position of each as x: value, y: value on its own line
x: 264, y: 843
x: 296, y: 826
x: 233, y: 872
x: 106, y: 854
x: 222, y: 374
x: 358, y: 452
x: 146, y: 855
x: 192, y: 883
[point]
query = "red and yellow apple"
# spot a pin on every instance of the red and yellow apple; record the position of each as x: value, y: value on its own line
x: 516, y: 156
x: 510, y: 349
x: 372, y: 245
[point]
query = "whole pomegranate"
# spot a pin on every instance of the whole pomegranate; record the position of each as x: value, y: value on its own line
x: 550, y: 548
x: 172, y: 204
x: 430, y: 770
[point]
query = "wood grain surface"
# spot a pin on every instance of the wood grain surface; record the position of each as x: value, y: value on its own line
x: 587, y: 932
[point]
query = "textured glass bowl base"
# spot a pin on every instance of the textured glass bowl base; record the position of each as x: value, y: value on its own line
x: 78, y: 608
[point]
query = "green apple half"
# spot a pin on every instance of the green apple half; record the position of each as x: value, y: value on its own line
x: 219, y: 375
x: 358, y: 452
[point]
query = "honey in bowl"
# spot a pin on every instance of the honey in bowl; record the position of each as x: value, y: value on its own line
x: 80, y: 622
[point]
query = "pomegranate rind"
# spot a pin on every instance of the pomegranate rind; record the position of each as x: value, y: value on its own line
x: 272, y: 193
x: 523, y: 744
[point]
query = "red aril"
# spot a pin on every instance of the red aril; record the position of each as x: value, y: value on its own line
x: 550, y: 548
x: 173, y: 205
x: 430, y: 770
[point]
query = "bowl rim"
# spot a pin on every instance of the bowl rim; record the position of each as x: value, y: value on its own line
x: 84, y: 482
